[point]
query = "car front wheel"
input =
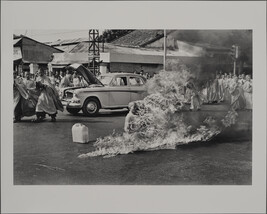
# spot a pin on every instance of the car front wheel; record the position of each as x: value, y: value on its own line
x: 91, y: 107
x: 73, y: 110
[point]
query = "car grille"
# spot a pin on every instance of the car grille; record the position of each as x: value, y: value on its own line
x: 68, y: 95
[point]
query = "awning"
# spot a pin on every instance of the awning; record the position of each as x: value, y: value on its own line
x: 17, y: 53
x: 59, y: 66
x: 69, y: 58
x: 15, y: 41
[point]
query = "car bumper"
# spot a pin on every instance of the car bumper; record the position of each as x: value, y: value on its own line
x: 70, y: 104
x: 74, y: 105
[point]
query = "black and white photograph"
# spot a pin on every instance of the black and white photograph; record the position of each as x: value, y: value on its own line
x: 133, y: 107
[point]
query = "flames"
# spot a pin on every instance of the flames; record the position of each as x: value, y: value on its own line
x: 160, y: 122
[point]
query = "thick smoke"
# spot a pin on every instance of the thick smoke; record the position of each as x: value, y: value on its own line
x: 159, y: 122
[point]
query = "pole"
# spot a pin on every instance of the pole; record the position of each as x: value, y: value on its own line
x: 234, y: 67
x: 165, y: 50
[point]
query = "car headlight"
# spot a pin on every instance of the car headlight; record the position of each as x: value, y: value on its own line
x: 75, y: 99
x: 60, y: 94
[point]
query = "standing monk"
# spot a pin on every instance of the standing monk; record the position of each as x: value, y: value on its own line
x: 237, y: 95
x: 215, y: 90
x: 195, y: 99
x: 48, y: 101
x: 24, y: 101
x: 221, y: 87
x: 247, y: 87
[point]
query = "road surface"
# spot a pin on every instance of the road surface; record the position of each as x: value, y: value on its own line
x: 44, y: 154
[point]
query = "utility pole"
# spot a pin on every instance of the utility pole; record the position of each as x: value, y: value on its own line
x: 234, y: 55
x: 93, y: 51
x: 165, y: 50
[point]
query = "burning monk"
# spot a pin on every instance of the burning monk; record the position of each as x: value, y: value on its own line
x: 24, y: 100
x: 129, y: 126
x: 48, y: 101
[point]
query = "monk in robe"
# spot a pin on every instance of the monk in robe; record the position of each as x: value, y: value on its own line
x: 247, y: 87
x: 237, y: 95
x: 215, y: 97
x: 24, y: 101
x: 129, y: 125
x: 48, y: 101
x: 195, y: 99
x: 227, y: 95
x: 221, y: 88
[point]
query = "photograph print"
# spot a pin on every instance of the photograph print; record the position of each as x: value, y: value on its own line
x: 132, y: 107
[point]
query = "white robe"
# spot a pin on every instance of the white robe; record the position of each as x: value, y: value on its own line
x: 48, y: 100
x: 247, y: 87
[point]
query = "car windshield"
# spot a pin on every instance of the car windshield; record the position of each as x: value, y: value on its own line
x: 105, y: 79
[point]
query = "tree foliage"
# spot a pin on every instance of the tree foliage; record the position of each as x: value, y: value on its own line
x: 110, y: 35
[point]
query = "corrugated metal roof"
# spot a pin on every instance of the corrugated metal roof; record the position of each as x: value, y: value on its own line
x: 183, y: 51
x: 138, y: 38
x: 68, y: 41
x: 65, y: 48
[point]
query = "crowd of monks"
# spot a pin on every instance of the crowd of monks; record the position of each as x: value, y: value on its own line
x: 232, y: 89
x: 40, y: 95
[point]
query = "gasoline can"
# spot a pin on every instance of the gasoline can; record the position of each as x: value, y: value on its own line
x: 80, y: 133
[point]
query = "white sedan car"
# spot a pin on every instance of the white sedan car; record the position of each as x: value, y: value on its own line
x: 109, y: 91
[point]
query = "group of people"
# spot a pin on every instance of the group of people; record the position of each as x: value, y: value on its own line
x: 36, y: 96
x: 228, y: 88
x: 61, y: 79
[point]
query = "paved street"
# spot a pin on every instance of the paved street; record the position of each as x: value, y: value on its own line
x: 45, y: 154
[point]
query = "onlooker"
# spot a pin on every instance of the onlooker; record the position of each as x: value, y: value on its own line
x: 76, y: 79
x: 28, y: 81
x: 65, y: 82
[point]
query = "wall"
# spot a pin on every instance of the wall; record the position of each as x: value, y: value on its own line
x: 35, y: 52
x: 134, y: 67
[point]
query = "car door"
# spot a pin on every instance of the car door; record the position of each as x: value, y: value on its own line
x: 137, y: 88
x: 119, y: 92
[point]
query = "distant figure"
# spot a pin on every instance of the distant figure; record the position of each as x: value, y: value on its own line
x: 247, y: 87
x: 214, y: 93
x: 241, y: 79
x: 65, y: 81
x: 28, y: 81
x: 209, y: 90
x: 221, y: 88
x: 237, y: 95
x: 227, y: 95
x: 52, y: 78
x: 76, y: 79
x: 69, y: 76
x: 61, y: 75
x: 47, y: 73
x: 195, y: 100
